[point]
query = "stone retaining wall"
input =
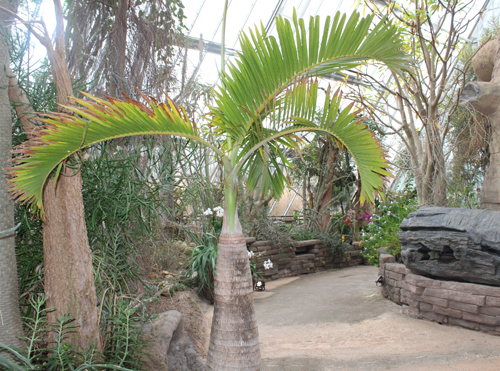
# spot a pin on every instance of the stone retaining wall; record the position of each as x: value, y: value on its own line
x: 301, y: 258
x: 473, y: 306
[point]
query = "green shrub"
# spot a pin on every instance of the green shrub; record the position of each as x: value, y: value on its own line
x: 332, y: 241
x: 121, y: 208
x: 123, y: 338
x: 385, y: 222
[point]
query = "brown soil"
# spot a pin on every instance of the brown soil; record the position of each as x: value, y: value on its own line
x: 156, y: 257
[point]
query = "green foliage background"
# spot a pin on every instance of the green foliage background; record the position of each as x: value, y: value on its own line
x: 386, y: 219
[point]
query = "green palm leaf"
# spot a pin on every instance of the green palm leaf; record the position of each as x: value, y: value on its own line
x: 342, y: 126
x: 273, y: 85
x: 96, y: 122
x: 267, y: 66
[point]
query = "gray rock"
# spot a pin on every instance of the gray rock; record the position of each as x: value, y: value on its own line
x: 454, y: 244
x: 386, y: 258
x: 167, y: 345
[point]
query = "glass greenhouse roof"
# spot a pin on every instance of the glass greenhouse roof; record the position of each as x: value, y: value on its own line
x: 204, y: 19
x: 205, y: 16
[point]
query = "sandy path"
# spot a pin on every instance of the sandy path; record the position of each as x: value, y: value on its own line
x: 338, y: 320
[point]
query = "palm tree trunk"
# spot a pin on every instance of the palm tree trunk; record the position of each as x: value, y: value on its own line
x: 10, y: 319
x: 234, y: 339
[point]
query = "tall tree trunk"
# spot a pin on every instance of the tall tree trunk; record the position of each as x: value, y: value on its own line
x: 69, y: 280
x: 234, y: 339
x: 119, y: 45
x: 325, y: 185
x: 69, y: 276
x: 10, y: 323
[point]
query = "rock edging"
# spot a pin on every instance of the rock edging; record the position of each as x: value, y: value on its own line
x: 302, y: 257
x: 469, y: 305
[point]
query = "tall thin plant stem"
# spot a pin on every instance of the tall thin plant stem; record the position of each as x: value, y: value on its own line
x: 223, y: 41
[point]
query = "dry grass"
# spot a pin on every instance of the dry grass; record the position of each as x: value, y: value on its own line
x: 162, y: 255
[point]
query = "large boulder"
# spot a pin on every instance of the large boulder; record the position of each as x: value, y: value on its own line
x: 454, y: 244
x: 167, y: 346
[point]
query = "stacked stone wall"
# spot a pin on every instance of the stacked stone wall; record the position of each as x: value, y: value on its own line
x: 469, y: 305
x: 301, y: 258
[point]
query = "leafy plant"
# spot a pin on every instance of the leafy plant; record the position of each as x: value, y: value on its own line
x: 123, y: 338
x: 256, y: 275
x: 58, y: 355
x: 330, y: 240
x: 264, y: 228
x: 19, y: 362
x: 342, y: 224
x: 385, y: 222
x: 300, y: 233
x: 202, y: 261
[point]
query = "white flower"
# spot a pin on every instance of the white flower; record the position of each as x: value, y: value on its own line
x: 250, y: 254
x: 388, y: 213
x: 219, y: 211
x: 268, y: 264
x: 208, y: 212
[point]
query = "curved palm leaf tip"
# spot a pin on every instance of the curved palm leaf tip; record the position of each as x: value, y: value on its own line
x: 268, y: 96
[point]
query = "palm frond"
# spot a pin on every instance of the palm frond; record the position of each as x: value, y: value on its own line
x: 267, y: 66
x: 96, y: 121
x: 270, y: 93
x: 341, y: 125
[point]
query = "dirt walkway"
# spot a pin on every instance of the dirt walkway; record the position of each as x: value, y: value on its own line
x: 338, y: 320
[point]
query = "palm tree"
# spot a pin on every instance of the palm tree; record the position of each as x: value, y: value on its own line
x: 267, y: 98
